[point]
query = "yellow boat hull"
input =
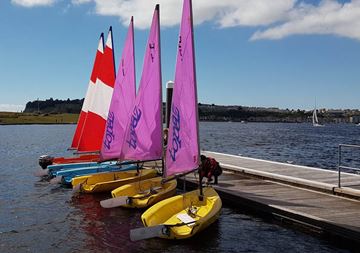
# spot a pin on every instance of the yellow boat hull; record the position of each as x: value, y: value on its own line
x: 105, y: 182
x: 170, y: 212
x: 145, y: 193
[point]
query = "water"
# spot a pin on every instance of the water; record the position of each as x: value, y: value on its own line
x: 300, y: 144
x: 38, y: 217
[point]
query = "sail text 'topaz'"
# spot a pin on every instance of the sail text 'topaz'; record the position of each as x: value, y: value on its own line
x: 109, y: 135
x: 175, y: 138
x: 135, y: 118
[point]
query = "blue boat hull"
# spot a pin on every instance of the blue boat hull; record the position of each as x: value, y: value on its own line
x: 68, y: 174
x: 69, y: 166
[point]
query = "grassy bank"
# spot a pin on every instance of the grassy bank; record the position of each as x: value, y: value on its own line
x: 15, y: 118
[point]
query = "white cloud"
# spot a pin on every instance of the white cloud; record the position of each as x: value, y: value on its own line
x: 11, y: 108
x: 275, y: 19
x: 253, y: 13
x: 278, y: 18
x: 330, y: 17
x: 33, y: 3
x: 225, y: 13
x: 78, y: 2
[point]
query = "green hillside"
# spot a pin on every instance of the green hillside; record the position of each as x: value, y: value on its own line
x: 9, y: 118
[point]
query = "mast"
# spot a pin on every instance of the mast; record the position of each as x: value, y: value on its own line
x: 314, y: 116
x: 195, y: 82
x: 157, y: 7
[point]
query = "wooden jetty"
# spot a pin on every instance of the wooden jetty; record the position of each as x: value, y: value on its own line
x: 303, y: 176
x: 299, y: 194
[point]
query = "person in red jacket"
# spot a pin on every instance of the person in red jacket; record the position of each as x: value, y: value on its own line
x: 209, y: 167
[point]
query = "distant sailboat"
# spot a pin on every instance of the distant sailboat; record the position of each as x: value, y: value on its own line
x: 315, y: 120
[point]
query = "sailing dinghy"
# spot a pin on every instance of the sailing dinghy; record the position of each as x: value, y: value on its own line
x: 184, y: 215
x: 141, y: 138
x: 122, y: 99
x: 146, y: 192
x: 179, y: 217
x: 91, y: 123
x: 65, y: 176
x: 46, y: 160
x: 95, y: 122
x: 141, y: 194
x: 108, y: 181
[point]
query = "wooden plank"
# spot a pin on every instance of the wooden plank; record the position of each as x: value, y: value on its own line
x: 324, y: 180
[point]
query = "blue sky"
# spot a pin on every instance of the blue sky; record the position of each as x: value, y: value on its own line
x: 280, y: 53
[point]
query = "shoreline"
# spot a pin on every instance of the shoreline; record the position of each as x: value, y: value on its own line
x: 15, y: 124
x: 237, y: 122
x: 16, y: 118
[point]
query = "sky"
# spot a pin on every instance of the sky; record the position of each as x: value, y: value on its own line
x: 279, y: 53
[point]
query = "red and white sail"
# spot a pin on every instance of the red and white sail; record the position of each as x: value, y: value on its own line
x: 89, y: 94
x: 94, y: 126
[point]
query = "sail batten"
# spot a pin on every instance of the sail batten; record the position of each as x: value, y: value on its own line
x: 122, y: 100
x: 183, y: 151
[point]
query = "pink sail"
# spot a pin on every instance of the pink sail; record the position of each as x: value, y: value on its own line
x: 143, y: 138
x: 183, y: 153
x: 122, y: 101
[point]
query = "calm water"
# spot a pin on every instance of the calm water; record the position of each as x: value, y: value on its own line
x: 38, y: 217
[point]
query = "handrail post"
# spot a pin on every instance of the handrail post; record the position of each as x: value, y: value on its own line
x: 339, y: 166
x: 339, y: 160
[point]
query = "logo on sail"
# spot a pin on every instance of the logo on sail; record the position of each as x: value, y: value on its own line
x: 109, y: 135
x: 135, y: 118
x: 175, y: 138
